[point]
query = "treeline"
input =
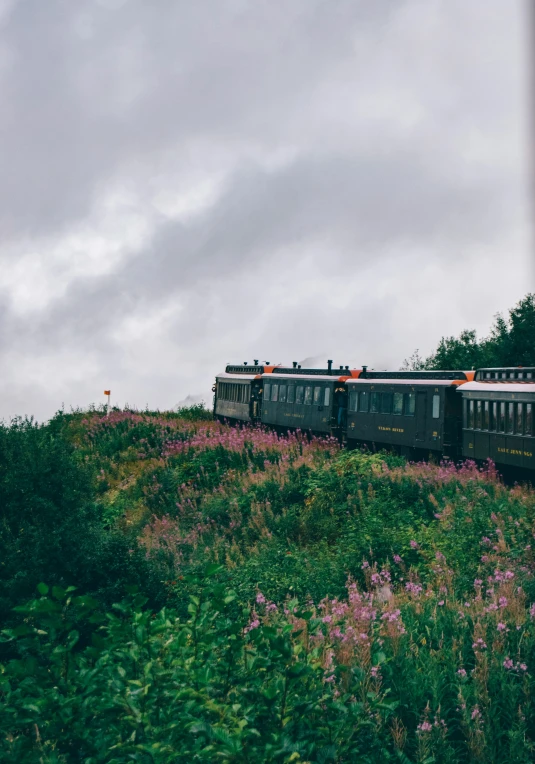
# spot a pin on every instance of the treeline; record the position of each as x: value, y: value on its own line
x: 511, y: 342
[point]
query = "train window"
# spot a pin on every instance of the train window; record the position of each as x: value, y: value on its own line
x: 364, y: 401
x: 386, y: 403
x: 528, y: 421
x: 410, y: 404
x: 478, y: 415
x: 398, y: 404
x: 267, y: 392
x: 465, y: 413
x: 282, y: 393
x: 327, y: 398
x: 274, y: 392
x: 519, y: 424
x: 299, y: 393
x: 485, y: 422
x: 317, y: 395
x: 375, y: 402
x: 510, y: 424
x: 520, y: 375
x: 353, y: 400
x: 308, y: 394
x: 471, y: 416
x: 504, y: 375
x: 493, y: 416
x: 529, y: 375
x: 487, y: 375
x: 291, y: 394
x: 500, y: 422
x: 436, y: 406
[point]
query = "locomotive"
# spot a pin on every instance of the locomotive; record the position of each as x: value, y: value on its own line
x: 478, y: 415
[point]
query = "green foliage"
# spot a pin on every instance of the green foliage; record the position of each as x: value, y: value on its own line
x: 511, y: 343
x: 50, y: 528
x: 153, y: 688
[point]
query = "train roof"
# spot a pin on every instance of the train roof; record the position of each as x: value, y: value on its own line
x: 411, y: 381
x: 342, y: 371
x: 299, y: 377
x: 246, y: 368
x: 499, y: 386
x: 225, y: 376
x: 505, y: 372
x: 425, y: 374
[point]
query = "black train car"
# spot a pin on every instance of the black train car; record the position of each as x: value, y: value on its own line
x: 306, y: 399
x: 498, y: 412
x: 417, y: 414
x: 238, y: 392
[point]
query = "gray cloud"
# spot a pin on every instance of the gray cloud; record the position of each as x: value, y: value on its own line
x: 184, y: 184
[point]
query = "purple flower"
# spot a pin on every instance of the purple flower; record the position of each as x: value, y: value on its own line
x: 424, y: 727
x: 397, y: 559
x: 260, y: 599
x: 508, y: 663
x: 461, y: 672
x: 414, y: 545
x: 501, y: 627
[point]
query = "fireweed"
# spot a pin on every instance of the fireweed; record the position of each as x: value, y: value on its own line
x: 437, y: 616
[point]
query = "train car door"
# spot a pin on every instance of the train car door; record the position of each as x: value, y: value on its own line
x: 340, y: 410
x: 421, y: 415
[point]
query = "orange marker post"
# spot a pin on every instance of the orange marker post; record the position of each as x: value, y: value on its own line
x: 108, y: 393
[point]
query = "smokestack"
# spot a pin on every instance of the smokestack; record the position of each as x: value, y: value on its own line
x: 364, y: 369
x: 329, y: 365
x: 256, y: 361
x: 294, y: 364
x: 347, y: 368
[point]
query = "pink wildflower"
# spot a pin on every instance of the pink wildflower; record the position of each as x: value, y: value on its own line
x: 424, y: 727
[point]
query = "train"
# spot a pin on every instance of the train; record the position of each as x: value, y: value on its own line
x: 479, y: 414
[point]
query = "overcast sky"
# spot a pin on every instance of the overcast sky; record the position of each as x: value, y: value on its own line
x: 186, y: 183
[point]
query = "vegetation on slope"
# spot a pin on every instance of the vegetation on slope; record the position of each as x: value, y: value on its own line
x: 320, y: 605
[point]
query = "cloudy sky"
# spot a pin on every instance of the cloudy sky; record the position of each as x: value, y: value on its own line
x: 186, y: 183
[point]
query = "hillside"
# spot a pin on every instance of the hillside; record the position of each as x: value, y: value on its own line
x: 209, y: 593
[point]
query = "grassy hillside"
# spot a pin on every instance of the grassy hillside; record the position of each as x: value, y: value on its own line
x: 209, y: 594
